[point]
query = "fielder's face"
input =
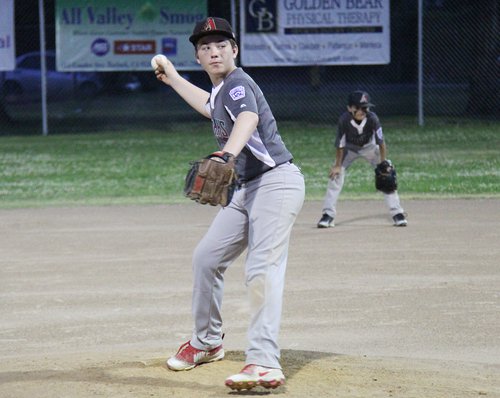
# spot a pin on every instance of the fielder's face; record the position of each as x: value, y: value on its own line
x: 217, y: 56
x: 358, y: 113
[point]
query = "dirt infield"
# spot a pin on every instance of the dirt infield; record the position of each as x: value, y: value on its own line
x: 93, y: 300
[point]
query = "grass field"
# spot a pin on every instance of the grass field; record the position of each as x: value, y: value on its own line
x: 452, y: 160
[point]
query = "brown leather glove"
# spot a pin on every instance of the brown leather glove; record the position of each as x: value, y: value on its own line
x: 212, y: 179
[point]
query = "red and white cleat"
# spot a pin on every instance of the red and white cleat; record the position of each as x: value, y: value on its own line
x: 188, y: 357
x: 253, y: 375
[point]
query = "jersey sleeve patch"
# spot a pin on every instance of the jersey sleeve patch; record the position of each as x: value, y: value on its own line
x: 237, y: 93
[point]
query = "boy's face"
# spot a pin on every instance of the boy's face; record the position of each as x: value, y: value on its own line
x: 358, y: 113
x: 216, y: 55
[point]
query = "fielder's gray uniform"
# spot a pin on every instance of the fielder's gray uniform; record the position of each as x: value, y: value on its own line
x: 359, y: 140
x: 259, y: 218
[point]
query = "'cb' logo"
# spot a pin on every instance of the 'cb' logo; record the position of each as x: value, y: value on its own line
x: 261, y: 16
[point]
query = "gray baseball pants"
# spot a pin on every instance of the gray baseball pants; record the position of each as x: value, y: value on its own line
x: 371, y: 154
x: 260, y: 219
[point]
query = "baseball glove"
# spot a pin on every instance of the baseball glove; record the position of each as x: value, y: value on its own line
x: 385, y: 177
x: 212, y: 179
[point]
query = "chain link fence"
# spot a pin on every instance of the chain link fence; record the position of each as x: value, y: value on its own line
x: 460, y: 75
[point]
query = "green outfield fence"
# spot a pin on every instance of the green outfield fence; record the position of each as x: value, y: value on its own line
x: 460, y: 72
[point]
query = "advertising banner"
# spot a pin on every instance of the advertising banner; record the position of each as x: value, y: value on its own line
x: 7, y: 43
x: 314, y: 32
x: 123, y: 35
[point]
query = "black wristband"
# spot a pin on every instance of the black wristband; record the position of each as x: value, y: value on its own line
x: 227, y: 156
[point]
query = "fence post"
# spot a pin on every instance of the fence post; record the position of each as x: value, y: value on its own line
x: 43, y: 68
x: 420, y: 65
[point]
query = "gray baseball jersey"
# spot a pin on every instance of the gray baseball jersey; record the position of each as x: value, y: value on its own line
x: 354, y: 136
x: 265, y: 149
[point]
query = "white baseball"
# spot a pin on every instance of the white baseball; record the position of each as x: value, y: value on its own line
x: 157, y: 60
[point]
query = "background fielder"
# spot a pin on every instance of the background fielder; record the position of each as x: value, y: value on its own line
x: 359, y: 135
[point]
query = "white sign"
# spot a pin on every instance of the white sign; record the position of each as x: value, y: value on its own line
x: 7, y: 42
x: 123, y: 35
x: 314, y: 32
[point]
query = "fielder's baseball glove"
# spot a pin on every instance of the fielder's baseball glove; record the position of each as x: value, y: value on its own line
x: 212, y: 179
x: 385, y: 177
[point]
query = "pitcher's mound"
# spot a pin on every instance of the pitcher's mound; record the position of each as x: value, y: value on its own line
x: 308, y: 374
